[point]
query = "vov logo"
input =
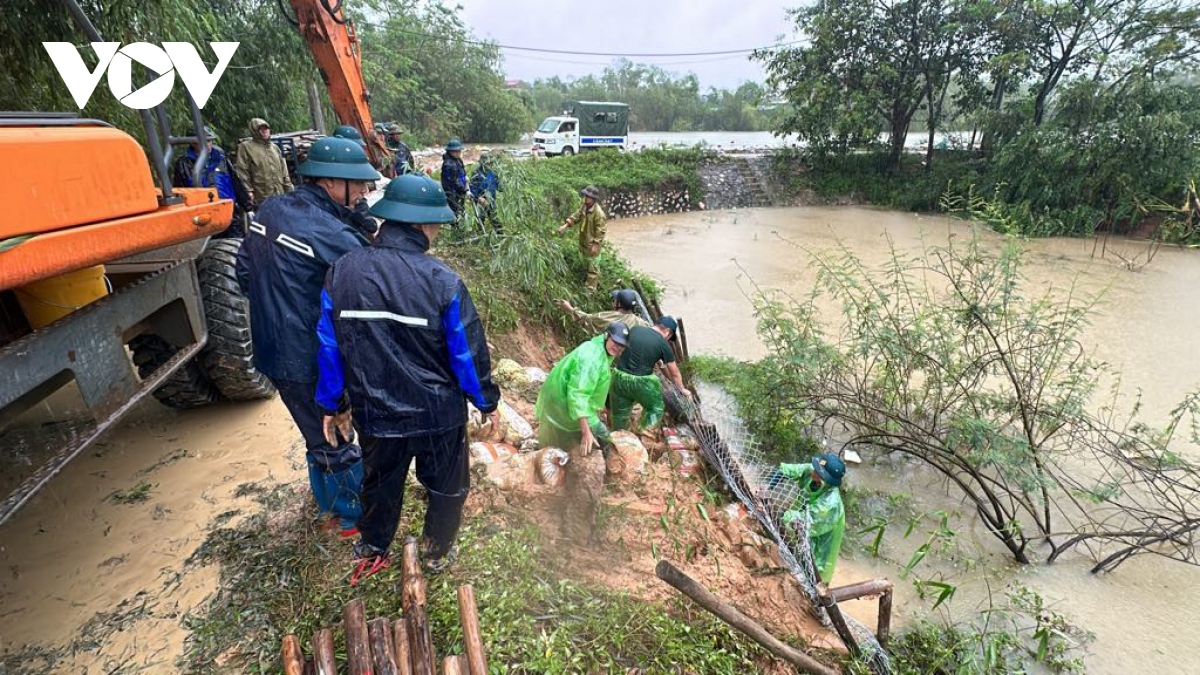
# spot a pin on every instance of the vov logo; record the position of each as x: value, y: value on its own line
x: 172, y: 57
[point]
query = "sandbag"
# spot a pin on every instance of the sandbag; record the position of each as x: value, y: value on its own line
x: 516, y: 428
x: 513, y: 472
x: 683, y: 460
x: 483, y: 452
x: 628, y: 458
x: 510, y: 375
x: 550, y: 463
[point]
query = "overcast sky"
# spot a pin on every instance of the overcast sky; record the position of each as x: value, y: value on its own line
x: 644, y: 26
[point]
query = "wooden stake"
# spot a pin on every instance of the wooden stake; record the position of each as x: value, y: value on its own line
x: 839, y: 621
x: 730, y: 615
x: 412, y: 597
x: 358, y: 644
x: 293, y: 656
x: 400, y: 637
x: 323, y: 652
x: 883, y: 629
x: 455, y: 665
x: 468, y: 613
x: 382, y: 649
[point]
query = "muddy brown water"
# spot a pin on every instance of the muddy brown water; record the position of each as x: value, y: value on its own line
x: 1144, y: 615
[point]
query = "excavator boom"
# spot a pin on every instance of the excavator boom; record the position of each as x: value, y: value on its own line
x: 334, y: 44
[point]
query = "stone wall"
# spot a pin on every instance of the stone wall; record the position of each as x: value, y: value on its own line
x: 647, y: 202
x: 729, y: 182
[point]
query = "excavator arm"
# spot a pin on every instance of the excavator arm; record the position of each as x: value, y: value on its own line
x: 334, y: 44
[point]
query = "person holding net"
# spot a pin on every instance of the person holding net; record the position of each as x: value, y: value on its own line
x: 820, y: 503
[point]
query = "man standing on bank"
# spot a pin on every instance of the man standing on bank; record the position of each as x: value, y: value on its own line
x: 591, y: 220
x: 402, y: 351
x: 281, y: 266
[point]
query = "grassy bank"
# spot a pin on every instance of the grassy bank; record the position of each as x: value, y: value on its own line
x: 520, y: 275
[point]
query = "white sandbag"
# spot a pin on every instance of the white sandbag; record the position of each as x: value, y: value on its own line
x: 682, y: 459
x: 483, y: 452
x: 536, y: 375
x: 629, y: 458
x: 516, y: 428
x: 550, y: 462
x: 513, y: 472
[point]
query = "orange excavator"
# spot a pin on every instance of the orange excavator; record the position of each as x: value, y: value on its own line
x: 113, y: 286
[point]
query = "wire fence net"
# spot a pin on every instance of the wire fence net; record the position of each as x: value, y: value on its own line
x: 733, y: 452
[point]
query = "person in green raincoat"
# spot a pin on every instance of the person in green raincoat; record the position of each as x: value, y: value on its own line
x: 575, y: 391
x: 567, y: 410
x: 821, y: 503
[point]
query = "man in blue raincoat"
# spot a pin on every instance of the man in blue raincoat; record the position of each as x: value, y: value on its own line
x: 291, y: 243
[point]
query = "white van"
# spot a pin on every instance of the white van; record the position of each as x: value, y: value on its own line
x: 584, y: 125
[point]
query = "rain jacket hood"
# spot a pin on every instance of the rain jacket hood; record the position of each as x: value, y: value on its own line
x: 255, y: 123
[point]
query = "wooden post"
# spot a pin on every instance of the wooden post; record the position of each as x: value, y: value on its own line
x: 412, y: 594
x: 866, y: 589
x: 839, y: 621
x: 468, y: 612
x: 293, y: 656
x: 683, y: 340
x: 400, y: 637
x: 883, y: 629
x: 382, y: 649
x: 727, y: 613
x: 455, y: 665
x: 358, y: 644
x: 323, y: 652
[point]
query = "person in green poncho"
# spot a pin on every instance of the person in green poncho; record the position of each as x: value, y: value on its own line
x: 568, y: 412
x: 574, y: 393
x: 821, y: 503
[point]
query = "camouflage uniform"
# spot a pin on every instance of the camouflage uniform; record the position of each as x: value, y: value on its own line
x: 592, y: 225
x: 260, y: 166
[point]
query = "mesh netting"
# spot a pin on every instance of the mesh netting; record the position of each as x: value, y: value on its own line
x: 742, y: 463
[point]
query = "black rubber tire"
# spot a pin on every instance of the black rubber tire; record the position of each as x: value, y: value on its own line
x: 187, y: 387
x: 568, y: 151
x: 228, y: 357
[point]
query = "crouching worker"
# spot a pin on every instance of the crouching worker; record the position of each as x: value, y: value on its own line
x: 568, y: 412
x: 821, y: 503
x: 402, y: 351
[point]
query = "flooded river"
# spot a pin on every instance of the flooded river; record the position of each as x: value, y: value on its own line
x: 1145, y: 615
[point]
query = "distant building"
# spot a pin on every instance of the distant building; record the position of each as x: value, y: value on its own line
x: 516, y: 84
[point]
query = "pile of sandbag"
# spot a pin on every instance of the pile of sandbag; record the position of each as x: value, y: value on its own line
x: 509, y: 452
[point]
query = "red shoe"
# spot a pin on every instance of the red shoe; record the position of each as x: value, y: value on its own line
x: 350, y: 533
x: 368, y: 561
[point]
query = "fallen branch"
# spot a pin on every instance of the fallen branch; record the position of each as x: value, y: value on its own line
x: 730, y: 615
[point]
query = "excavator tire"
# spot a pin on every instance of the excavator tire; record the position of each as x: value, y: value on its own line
x: 187, y: 387
x: 228, y: 357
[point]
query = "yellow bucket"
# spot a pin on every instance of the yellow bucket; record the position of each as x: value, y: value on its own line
x: 49, y: 300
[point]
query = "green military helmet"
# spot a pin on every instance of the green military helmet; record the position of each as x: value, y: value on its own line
x: 349, y: 133
x: 416, y: 199
x: 454, y: 145
x: 333, y: 157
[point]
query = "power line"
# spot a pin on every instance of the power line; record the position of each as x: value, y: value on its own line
x: 569, y: 52
x: 540, y: 59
